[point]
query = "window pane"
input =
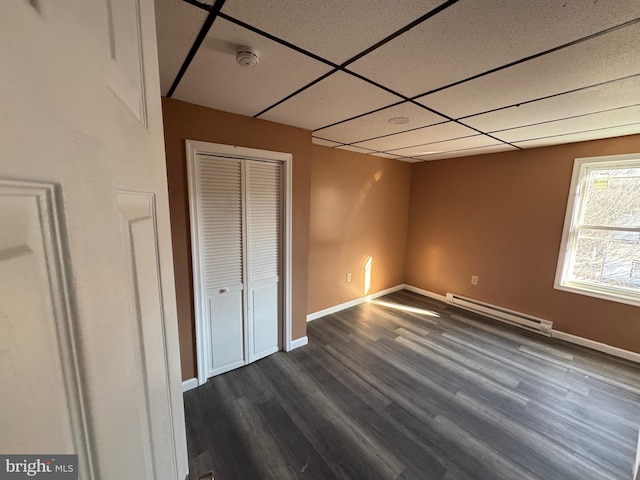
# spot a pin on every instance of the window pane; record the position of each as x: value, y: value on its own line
x: 613, y: 197
x: 608, y: 258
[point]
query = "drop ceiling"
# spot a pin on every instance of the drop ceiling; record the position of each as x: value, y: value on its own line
x: 469, y: 76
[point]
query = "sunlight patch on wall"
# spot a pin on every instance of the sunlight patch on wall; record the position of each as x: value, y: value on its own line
x: 367, y: 274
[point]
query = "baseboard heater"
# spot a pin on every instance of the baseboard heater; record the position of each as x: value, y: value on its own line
x: 533, y: 324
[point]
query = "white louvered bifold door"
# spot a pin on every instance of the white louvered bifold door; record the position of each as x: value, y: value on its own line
x: 264, y: 212
x: 221, y: 247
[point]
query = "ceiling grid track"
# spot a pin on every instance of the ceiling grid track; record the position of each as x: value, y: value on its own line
x: 342, y: 66
x: 497, y: 69
x: 526, y: 102
x: 532, y: 57
x: 214, y: 11
x: 417, y: 104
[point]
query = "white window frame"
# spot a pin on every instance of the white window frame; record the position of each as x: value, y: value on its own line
x: 577, y: 193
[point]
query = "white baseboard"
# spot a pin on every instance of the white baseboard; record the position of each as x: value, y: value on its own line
x: 299, y: 342
x: 189, y: 384
x: 426, y: 293
x: 600, y: 347
x: 352, y: 303
x: 567, y: 337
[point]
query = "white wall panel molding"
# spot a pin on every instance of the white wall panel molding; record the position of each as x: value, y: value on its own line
x: 41, y: 333
x: 125, y: 65
x: 140, y: 238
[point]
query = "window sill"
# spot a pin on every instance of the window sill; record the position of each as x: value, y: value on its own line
x: 599, y: 292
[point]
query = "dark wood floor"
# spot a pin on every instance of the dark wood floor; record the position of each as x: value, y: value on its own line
x: 380, y: 393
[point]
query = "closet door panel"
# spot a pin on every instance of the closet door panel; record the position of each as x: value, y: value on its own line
x: 221, y: 237
x: 264, y: 215
x: 265, y: 317
x: 227, y: 332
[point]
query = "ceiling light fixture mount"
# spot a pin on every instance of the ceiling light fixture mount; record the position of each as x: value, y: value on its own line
x: 398, y: 120
x: 247, y: 57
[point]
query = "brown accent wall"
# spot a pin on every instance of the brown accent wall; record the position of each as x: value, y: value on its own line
x: 500, y: 216
x: 359, y: 207
x: 185, y: 121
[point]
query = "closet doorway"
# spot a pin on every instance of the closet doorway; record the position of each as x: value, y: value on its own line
x: 240, y: 211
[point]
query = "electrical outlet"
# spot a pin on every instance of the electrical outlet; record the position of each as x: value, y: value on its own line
x: 474, y: 279
x: 348, y: 278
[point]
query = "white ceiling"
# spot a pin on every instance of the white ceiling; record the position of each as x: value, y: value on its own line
x: 470, y: 76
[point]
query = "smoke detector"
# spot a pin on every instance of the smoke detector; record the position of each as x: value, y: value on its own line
x: 247, y: 57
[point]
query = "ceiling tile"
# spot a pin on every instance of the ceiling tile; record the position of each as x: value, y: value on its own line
x: 177, y: 24
x: 603, y: 58
x: 466, y: 152
x: 583, y: 123
x: 215, y: 80
x: 473, y: 37
x: 335, y: 98
x: 377, y: 124
x: 575, y: 93
x: 608, y: 96
x: 355, y: 149
x: 447, y: 145
x: 581, y: 136
x: 325, y: 143
x: 435, y: 133
x: 335, y: 30
x: 387, y: 155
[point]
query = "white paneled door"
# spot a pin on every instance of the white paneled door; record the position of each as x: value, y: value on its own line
x: 237, y: 237
x: 89, y: 361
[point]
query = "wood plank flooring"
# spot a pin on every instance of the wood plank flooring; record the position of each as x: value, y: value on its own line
x: 385, y: 393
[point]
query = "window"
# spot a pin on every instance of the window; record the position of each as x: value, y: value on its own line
x: 600, y: 251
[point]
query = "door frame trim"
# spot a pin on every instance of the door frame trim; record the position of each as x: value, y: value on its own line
x: 194, y: 148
